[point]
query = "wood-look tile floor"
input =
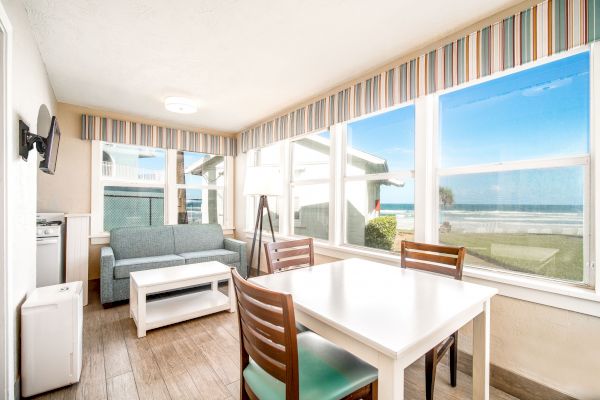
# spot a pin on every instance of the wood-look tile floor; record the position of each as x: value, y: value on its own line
x: 197, y: 359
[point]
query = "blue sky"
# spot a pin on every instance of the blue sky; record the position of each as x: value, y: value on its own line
x: 542, y: 112
x: 537, y: 113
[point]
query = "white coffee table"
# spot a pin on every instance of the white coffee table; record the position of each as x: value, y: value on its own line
x: 178, y: 308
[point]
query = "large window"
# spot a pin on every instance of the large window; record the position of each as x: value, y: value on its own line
x: 142, y: 186
x: 503, y: 166
x: 514, y: 170
x: 200, y: 188
x: 379, y: 182
x: 310, y: 189
x: 133, y: 186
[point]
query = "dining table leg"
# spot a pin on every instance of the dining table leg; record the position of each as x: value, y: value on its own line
x: 481, y: 354
x: 391, y: 379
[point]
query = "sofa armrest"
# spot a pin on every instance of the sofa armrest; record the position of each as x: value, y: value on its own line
x: 107, y: 267
x: 239, y: 247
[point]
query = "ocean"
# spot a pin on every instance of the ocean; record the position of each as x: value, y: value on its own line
x: 503, y: 218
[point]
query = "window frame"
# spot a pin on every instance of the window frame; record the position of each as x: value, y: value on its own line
x: 289, y: 175
x: 584, y: 160
x: 546, y: 291
x: 400, y: 174
x: 101, y: 182
x: 172, y: 154
x: 168, y: 184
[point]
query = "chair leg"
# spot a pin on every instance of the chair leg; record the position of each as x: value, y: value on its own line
x: 243, y: 393
x: 430, y: 367
x: 454, y: 359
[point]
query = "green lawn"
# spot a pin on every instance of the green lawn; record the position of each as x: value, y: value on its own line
x: 556, y: 256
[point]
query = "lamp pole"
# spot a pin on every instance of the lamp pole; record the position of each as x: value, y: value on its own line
x: 258, y: 227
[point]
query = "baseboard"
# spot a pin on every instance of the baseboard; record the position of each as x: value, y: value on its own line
x: 511, y: 383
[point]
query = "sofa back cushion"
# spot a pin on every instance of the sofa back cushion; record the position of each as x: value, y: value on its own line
x: 190, y: 238
x: 146, y: 241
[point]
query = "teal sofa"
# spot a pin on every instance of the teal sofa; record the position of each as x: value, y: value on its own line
x: 141, y: 248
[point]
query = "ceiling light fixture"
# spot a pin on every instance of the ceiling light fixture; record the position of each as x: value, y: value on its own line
x: 180, y: 105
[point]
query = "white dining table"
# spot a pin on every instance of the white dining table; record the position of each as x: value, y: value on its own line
x: 388, y: 316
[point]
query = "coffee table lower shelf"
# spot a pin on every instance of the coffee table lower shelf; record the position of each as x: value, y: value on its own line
x: 171, y: 310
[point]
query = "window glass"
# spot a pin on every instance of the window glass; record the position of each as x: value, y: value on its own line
x: 270, y: 155
x: 132, y: 206
x: 527, y: 221
x: 380, y: 213
x: 540, y: 112
x: 310, y: 205
x: 383, y: 143
x: 200, y: 169
x: 133, y: 163
x: 310, y: 157
x: 252, y: 209
x: 200, y: 206
x: 530, y: 220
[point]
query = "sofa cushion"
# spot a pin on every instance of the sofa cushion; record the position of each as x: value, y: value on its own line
x: 136, y: 242
x: 124, y: 267
x: 221, y: 255
x: 190, y: 238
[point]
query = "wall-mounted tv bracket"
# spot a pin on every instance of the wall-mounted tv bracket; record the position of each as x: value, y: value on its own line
x: 27, y: 140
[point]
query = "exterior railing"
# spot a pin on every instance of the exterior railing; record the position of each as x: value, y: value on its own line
x: 126, y: 172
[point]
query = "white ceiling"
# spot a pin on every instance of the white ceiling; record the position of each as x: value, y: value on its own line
x: 241, y: 60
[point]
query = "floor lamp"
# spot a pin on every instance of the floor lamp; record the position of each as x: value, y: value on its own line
x: 263, y: 182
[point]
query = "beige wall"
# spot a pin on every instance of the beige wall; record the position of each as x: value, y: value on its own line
x: 68, y: 190
x: 30, y: 89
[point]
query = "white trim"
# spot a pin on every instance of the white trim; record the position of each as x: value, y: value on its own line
x: 424, y: 182
x: 516, y: 165
x: 6, y: 31
x: 309, y: 182
x: 171, y: 187
x: 406, y: 174
x: 594, y: 232
x: 533, y: 289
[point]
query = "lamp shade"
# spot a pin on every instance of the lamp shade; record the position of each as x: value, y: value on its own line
x: 263, y: 181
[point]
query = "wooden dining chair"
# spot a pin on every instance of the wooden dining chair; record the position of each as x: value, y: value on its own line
x: 445, y: 260
x: 290, y: 254
x: 276, y: 363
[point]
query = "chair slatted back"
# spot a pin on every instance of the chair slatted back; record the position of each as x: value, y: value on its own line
x: 268, y: 332
x: 290, y: 254
x: 446, y: 260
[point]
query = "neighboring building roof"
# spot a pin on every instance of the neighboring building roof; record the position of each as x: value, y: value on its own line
x: 208, y: 162
x: 370, y: 163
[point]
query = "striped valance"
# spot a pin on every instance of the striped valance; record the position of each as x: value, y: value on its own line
x: 135, y: 133
x: 542, y: 30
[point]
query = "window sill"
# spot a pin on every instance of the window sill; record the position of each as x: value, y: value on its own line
x: 554, y: 294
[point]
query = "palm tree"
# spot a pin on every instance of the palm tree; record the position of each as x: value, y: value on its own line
x: 447, y: 199
x: 446, y: 196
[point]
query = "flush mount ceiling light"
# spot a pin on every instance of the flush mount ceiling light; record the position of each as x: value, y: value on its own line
x: 180, y: 105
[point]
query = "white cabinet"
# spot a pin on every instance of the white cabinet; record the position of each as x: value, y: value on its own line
x: 77, y: 252
x: 51, y: 338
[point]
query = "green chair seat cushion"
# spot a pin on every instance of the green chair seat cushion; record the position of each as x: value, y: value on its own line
x: 326, y: 372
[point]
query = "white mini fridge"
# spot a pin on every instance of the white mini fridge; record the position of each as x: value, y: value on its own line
x: 51, y: 338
